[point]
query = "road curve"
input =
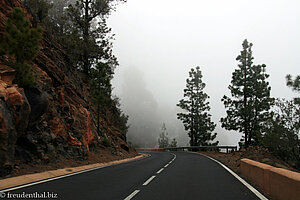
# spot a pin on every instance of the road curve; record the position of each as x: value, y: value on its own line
x: 193, y: 176
x: 163, y: 175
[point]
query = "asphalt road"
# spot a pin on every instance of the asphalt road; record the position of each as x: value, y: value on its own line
x: 160, y: 176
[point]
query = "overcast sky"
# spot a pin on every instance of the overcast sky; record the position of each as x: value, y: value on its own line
x: 159, y: 41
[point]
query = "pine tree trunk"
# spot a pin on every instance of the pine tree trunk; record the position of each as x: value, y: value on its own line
x: 98, y: 119
x: 245, y: 104
x: 98, y: 104
x: 192, y: 125
x: 86, y: 64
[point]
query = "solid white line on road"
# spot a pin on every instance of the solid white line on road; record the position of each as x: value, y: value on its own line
x: 252, y: 189
x: 132, y: 195
x: 149, y: 180
x: 166, y: 165
x: 50, y: 179
x: 63, y: 176
x: 160, y: 170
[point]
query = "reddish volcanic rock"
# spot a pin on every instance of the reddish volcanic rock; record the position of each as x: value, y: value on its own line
x: 55, y: 118
x: 7, y: 74
x: 57, y: 127
x: 14, y: 116
x: 14, y: 96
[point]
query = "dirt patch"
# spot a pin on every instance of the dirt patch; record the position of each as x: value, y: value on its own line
x: 259, y: 154
x: 103, y: 156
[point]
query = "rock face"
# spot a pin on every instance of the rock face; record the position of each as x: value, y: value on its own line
x: 56, y: 118
x: 14, y: 115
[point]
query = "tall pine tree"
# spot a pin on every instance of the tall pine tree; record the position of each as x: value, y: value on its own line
x: 248, y: 109
x: 93, y: 35
x: 163, y: 139
x: 100, y: 89
x: 196, y: 119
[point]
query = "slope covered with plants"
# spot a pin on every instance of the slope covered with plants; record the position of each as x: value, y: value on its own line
x: 55, y: 114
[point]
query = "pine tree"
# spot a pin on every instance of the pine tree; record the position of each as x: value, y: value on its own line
x: 173, y: 143
x: 38, y: 8
x: 124, y: 126
x: 59, y: 20
x: 248, y: 109
x: 21, y: 42
x: 163, y: 140
x: 89, y: 20
x: 100, y: 89
x: 196, y: 119
x: 124, y: 123
x: 295, y: 85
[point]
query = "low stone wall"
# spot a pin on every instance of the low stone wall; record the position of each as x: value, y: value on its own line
x: 149, y: 149
x: 278, y: 183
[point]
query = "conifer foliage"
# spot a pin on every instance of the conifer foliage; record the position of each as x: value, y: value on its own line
x: 39, y: 9
x: 163, y: 140
x: 21, y: 42
x: 196, y: 119
x: 282, y: 133
x: 100, y: 89
x: 93, y: 36
x: 248, y: 109
x: 173, y: 143
x: 295, y: 85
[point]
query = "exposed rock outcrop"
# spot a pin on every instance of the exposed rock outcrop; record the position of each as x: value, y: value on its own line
x: 55, y: 118
x: 14, y: 115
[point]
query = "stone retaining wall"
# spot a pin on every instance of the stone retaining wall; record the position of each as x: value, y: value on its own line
x: 278, y: 183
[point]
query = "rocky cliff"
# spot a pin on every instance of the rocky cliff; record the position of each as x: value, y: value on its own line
x: 55, y: 118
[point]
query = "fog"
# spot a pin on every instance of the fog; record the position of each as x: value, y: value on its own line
x: 158, y: 42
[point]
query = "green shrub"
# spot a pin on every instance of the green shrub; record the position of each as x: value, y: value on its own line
x: 106, y: 142
x: 21, y: 42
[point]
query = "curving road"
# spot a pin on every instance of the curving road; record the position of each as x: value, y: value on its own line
x: 163, y: 175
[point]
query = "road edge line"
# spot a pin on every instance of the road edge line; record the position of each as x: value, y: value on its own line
x: 250, y: 187
x: 67, y: 173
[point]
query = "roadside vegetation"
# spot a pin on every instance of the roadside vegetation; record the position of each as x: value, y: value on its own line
x: 80, y: 27
x: 163, y: 139
x: 196, y: 119
x: 20, y: 42
x: 266, y: 122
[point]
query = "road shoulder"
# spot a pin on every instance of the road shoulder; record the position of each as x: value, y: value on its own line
x: 55, y: 174
x: 244, y: 182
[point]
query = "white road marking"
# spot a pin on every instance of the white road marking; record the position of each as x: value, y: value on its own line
x: 149, y: 180
x: 160, y: 170
x: 132, y: 195
x: 50, y: 179
x: 252, y: 189
x: 63, y: 176
x: 173, y: 158
x: 166, y: 165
